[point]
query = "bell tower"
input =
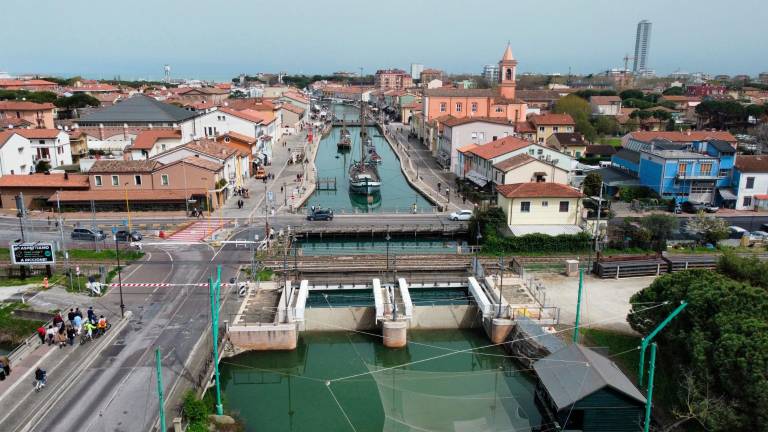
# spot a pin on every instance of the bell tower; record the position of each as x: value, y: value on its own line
x: 507, y: 74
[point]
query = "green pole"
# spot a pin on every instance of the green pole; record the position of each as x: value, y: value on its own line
x: 215, y: 337
x: 649, y: 396
x: 647, y: 340
x: 159, y: 368
x: 578, y: 307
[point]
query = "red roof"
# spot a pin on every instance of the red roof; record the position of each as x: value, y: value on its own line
x: 684, y: 136
x: 456, y: 121
x: 239, y: 137
x: 296, y: 96
x: 13, y: 122
x: 98, y: 87
x: 25, y: 106
x: 25, y: 83
x: 552, y: 120
x: 146, y: 139
x: 247, y: 114
x: 537, y: 190
x: 499, y: 147
x: 293, y: 108
x: 38, y: 133
x: 74, y: 181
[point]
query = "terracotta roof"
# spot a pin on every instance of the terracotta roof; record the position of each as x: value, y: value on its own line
x: 146, y: 139
x: 45, y: 181
x: 499, y: 147
x: 5, y: 136
x: 134, y: 195
x: 454, y: 92
x: 413, y: 105
x: 203, y: 163
x: 210, y: 148
x: 514, y: 162
x: 296, y: 96
x: 13, y: 122
x: 22, y: 83
x: 508, y: 53
x: 569, y: 138
x: 203, y: 90
x: 604, y: 100
x: 122, y: 166
x: 467, y: 148
x: 238, y: 136
x: 25, y: 106
x: 293, y: 108
x: 681, y: 98
x: 753, y: 164
x: 552, y: 120
x: 690, y: 136
x: 38, y: 133
x: 246, y: 114
x: 537, y: 190
x: 99, y: 87
x: 524, y: 127
x: 454, y: 121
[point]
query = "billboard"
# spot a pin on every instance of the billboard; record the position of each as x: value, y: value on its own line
x: 32, y: 253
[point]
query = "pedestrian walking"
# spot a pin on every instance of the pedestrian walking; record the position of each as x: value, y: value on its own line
x: 5, y: 367
x: 58, y: 319
x: 41, y: 334
x: 91, y: 315
x: 50, y: 334
x: 71, y: 333
x: 78, y: 324
x: 40, y: 378
x: 71, y: 317
x: 61, y: 336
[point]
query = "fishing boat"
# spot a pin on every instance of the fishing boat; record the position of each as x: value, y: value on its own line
x: 374, y: 158
x: 364, y: 176
x: 345, y: 138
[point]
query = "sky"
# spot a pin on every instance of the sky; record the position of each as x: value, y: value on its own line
x: 221, y: 39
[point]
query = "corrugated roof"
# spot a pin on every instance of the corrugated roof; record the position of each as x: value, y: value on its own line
x: 138, y: 109
x: 575, y: 372
x: 534, y: 190
x: 689, y: 136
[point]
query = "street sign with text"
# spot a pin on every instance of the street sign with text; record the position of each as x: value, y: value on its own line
x: 32, y: 253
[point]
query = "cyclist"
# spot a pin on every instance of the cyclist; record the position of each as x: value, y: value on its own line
x: 102, y: 325
x: 89, y: 328
x: 40, y: 376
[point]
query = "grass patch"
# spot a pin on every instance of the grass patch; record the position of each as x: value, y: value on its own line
x: 106, y: 254
x: 13, y: 330
x: 545, y: 266
x: 613, y: 141
x: 16, y: 282
x: 265, y: 274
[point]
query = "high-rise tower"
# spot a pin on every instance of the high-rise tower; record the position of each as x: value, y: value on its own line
x: 507, y: 74
x: 642, y: 42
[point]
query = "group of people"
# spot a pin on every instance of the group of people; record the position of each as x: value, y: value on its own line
x: 62, y: 333
x: 241, y: 191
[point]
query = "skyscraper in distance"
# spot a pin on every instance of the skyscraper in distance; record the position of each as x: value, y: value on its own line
x: 642, y: 42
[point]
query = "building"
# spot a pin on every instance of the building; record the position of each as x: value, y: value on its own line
x: 546, y: 208
x: 525, y: 168
x: 750, y: 182
x: 586, y: 392
x: 235, y: 163
x: 39, y: 115
x: 642, y: 45
x: 687, y: 137
x: 16, y: 154
x: 459, y: 132
x: 49, y: 145
x: 543, y: 100
x: 30, y: 85
x: 605, y: 105
x: 491, y: 72
x: 416, y: 69
x: 38, y: 188
x: 547, y: 124
x: 705, y: 89
x: 570, y: 143
x: 392, y: 79
x: 428, y: 75
x: 149, y: 143
x: 601, y: 151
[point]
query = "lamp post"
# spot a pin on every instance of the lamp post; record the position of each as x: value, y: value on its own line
x: 120, y: 276
x: 127, y: 207
x: 388, y: 238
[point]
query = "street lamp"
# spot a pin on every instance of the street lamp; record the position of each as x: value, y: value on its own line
x: 388, y: 238
x: 120, y: 273
x: 127, y: 206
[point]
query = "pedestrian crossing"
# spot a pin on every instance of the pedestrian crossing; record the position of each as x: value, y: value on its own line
x: 197, y: 231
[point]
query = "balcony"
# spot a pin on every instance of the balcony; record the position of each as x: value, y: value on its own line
x: 710, y: 176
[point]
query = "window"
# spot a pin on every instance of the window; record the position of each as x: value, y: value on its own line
x: 474, y: 135
x: 162, y: 147
x: 474, y: 107
x: 164, y: 179
x: 115, y: 180
x: 481, y: 136
x: 41, y: 141
x: 540, y: 151
x: 97, y: 180
x: 458, y: 106
x: 495, y: 138
x: 60, y: 150
x: 443, y: 106
x: 545, y: 204
x: 681, y: 168
x: 724, y: 173
x: 564, y: 206
x: 554, y: 129
x: 750, y: 182
x: 137, y: 180
x: 509, y: 74
x: 499, y: 109
x: 705, y: 168
x: 578, y: 154
x: 541, y: 128
x: 525, y: 207
x: 747, y: 201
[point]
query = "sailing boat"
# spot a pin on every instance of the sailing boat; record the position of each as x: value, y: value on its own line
x: 345, y: 142
x: 364, y: 176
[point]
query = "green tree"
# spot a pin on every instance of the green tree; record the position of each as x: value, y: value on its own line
x: 592, y: 183
x: 606, y: 125
x: 580, y: 110
x: 710, y: 228
x: 673, y: 91
x: 631, y: 94
x: 660, y: 227
x: 79, y: 100
x: 638, y: 103
x: 42, y: 166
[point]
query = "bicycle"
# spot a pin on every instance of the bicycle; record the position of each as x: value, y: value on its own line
x: 39, y: 385
x: 84, y: 338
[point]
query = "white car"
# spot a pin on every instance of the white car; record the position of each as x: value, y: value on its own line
x: 758, y: 236
x: 737, y: 232
x: 461, y: 215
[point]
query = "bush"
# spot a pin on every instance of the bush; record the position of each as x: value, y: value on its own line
x: 196, y: 412
x: 629, y: 193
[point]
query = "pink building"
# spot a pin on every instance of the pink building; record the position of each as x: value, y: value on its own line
x: 40, y: 115
x: 393, y: 79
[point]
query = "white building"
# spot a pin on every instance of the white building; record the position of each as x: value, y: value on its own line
x: 15, y: 154
x: 416, y: 70
x: 750, y: 180
x: 458, y: 132
x: 50, y: 145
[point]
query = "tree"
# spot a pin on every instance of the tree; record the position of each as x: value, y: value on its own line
x: 606, y: 125
x: 592, y: 183
x: 710, y: 228
x: 720, y: 114
x: 673, y: 91
x: 660, y: 227
x: 79, y: 100
x: 631, y: 94
x: 580, y: 110
x: 42, y: 166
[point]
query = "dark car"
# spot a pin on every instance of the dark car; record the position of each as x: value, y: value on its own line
x: 128, y: 236
x: 320, y: 214
x: 695, y: 207
x: 91, y: 234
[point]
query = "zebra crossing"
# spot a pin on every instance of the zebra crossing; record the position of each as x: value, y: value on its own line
x: 197, y: 231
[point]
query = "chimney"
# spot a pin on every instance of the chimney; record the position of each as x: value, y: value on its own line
x: 66, y: 175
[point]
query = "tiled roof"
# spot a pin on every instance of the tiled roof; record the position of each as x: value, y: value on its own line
x: 293, y: 108
x: 752, y: 164
x: 5, y: 136
x: 524, y: 127
x: 21, y: 83
x: 514, y: 162
x: 569, y: 138
x: 467, y: 148
x: 203, y: 163
x: 552, y: 120
x: 681, y: 98
x: 536, y: 190
x: 604, y: 100
x: 454, y: 92
x: 203, y: 90
x: 296, y: 96
x: 210, y: 148
x: 25, y: 106
x: 45, y: 181
x: 454, y: 121
x: 690, y: 136
x: 137, y: 195
x: 99, y: 87
x: 238, y: 136
x: 38, y: 133
x: 13, y: 122
x: 138, y: 109
x: 413, y: 105
x: 246, y: 114
x: 122, y: 166
x: 499, y: 147
x: 146, y: 139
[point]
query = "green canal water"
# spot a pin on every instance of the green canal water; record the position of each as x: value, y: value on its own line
x: 364, y: 297
x: 338, y: 381
x: 397, y: 246
x: 396, y: 194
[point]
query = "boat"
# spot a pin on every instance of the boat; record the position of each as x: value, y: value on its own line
x: 364, y: 177
x: 374, y: 158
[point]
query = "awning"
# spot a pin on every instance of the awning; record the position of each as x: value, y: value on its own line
x: 477, y: 178
x: 761, y: 197
x: 727, y: 194
x: 553, y: 230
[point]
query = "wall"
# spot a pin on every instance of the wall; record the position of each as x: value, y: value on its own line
x: 445, y: 317
x: 364, y: 318
x: 540, y: 215
x: 267, y: 337
x: 525, y: 174
x: 122, y: 179
x: 461, y: 135
x: 13, y: 161
x: 760, y: 188
x: 176, y: 172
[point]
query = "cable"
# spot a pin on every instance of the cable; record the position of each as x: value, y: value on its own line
x: 328, y: 386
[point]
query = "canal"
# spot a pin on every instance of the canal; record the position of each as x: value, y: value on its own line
x: 379, y: 246
x: 396, y: 194
x: 338, y: 381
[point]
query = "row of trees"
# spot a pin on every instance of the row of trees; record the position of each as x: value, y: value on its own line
x: 724, y: 114
x: 78, y: 100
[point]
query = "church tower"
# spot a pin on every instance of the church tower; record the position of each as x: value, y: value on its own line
x: 507, y: 74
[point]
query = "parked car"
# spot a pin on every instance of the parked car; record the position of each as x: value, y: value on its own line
x: 736, y: 231
x: 128, y: 236
x: 320, y: 214
x: 461, y: 215
x: 91, y: 234
x: 758, y: 236
x: 695, y: 207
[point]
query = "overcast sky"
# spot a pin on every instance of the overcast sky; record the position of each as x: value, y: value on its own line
x: 220, y: 39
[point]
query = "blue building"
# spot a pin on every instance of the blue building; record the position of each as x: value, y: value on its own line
x: 698, y: 171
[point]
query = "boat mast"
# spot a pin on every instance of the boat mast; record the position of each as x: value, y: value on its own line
x: 363, y: 131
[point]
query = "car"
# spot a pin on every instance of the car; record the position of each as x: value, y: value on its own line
x: 695, y: 207
x: 128, y: 236
x: 461, y: 215
x: 91, y: 234
x: 711, y: 209
x: 758, y: 236
x: 736, y: 231
x: 320, y: 214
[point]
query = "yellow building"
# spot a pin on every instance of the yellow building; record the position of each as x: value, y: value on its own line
x: 548, y: 124
x: 572, y: 144
x: 546, y: 208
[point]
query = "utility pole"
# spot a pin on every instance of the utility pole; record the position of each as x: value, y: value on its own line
x: 61, y: 233
x: 578, y: 307
x: 213, y: 293
x: 501, y: 284
x: 119, y: 278
x: 161, y: 400
x: 649, y: 396
x: 647, y: 340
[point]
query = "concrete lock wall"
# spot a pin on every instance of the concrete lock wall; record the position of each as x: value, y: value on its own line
x: 445, y: 317
x: 264, y: 338
x: 338, y: 319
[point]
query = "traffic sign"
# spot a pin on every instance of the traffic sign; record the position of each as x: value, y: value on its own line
x: 270, y: 196
x: 32, y: 253
x: 114, y: 230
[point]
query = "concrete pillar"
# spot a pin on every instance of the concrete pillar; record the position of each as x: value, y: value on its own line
x: 500, y: 328
x: 177, y: 424
x: 394, y: 333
